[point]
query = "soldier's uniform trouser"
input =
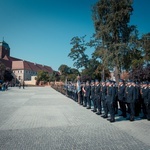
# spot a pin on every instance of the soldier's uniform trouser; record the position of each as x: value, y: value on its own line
x: 143, y: 107
x: 148, y: 110
x: 81, y: 99
x: 131, y: 106
x: 123, y: 107
x: 98, y: 104
x: 94, y: 103
x: 85, y: 100
x: 91, y: 99
x: 75, y: 96
x: 88, y: 101
x: 105, y: 107
x: 116, y: 106
x: 111, y: 107
x: 137, y: 108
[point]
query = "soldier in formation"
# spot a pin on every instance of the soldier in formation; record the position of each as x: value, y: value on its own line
x: 104, y: 98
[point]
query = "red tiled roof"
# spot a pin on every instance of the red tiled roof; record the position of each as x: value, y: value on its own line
x: 14, y: 59
x: 16, y: 63
x: 26, y: 65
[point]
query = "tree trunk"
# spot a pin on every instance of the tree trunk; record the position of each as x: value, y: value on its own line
x: 117, y: 74
x: 103, y: 74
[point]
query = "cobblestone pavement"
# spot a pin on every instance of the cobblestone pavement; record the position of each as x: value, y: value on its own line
x: 39, y: 118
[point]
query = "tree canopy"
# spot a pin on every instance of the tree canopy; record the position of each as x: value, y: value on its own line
x: 116, y: 42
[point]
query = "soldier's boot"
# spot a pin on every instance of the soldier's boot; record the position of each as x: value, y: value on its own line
x: 89, y: 107
x: 94, y: 110
x: 112, y: 120
x: 105, y: 116
x: 131, y: 118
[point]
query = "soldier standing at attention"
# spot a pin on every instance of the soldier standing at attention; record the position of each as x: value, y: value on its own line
x: 111, y: 100
x: 103, y: 98
x: 142, y: 101
x: 130, y: 99
x: 92, y: 92
x: 137, y: 103
x: 97, y: 97
x: 121, y: 97
x: 146, y: 97
x: 115, y: 88
x: 87, y: 94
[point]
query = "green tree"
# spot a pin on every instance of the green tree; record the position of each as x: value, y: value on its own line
x: 43, y: 76
x: 145, y: 42
x: 54, y: 76
x: 77, y: 53
x: 73, y: 74
x: 64, y: 69
x: 111, y: 19
x: 68, y: 73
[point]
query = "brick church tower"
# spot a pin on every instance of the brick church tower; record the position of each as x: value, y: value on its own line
x: 4, y: 49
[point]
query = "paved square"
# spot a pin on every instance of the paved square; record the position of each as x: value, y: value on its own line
x: 40, y: 118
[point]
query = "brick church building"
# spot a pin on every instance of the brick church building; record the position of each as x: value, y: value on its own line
x: 23, y: 71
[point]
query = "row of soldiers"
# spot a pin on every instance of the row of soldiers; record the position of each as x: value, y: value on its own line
x: 132, y: 98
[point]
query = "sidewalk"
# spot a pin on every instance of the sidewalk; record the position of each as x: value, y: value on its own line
x: 39, y: 118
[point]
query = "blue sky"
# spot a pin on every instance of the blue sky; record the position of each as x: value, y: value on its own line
x: 40, y: 30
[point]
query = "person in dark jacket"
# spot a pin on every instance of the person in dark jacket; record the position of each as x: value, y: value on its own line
x: 146, y: 97
x: 98, y: 97
x: 144, y: 113
x: 121, y: 97
x: 92, y: 93
x: 137, y: 101
x: 115, y: 97
x: 103, y: 99
x: 87, y: 94
x: 111, y: 100
x: 130, y: 98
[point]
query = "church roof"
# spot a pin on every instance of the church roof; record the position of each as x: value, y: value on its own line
x: 3, y: 43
